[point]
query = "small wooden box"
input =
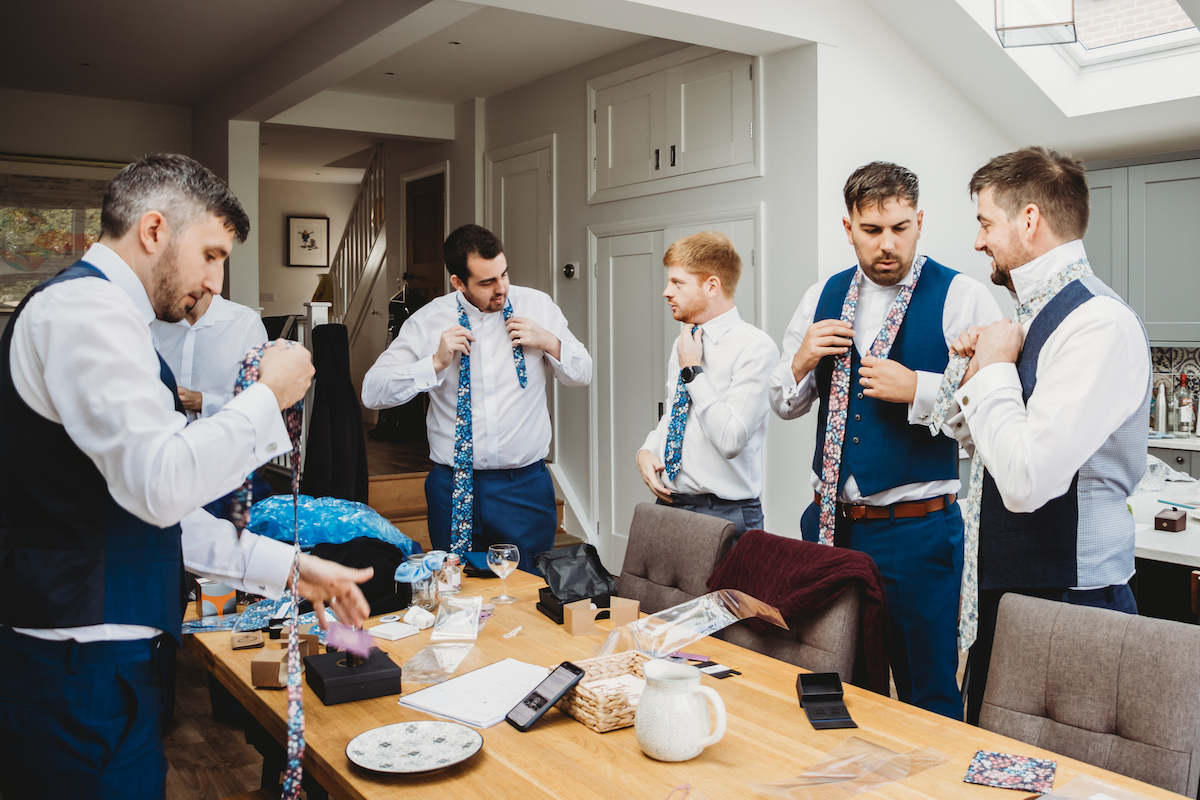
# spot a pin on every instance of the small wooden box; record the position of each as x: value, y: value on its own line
x: 268, y: 668
x: 1173, y: 520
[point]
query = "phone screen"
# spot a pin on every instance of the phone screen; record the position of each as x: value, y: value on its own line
x: 547, y: 693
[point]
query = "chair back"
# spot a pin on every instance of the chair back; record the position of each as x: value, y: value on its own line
x: 1116, y: 690
x: 670, y: 555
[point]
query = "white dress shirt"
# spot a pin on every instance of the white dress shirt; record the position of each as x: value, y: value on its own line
x: 1092, y: 374
x: 968, y: 303
x: 510, y: 425
x: 727, y: 421
x: 207, y: 356
x: 82, y: 356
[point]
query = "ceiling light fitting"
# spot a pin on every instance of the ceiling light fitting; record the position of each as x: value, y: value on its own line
x: 1024, y: 23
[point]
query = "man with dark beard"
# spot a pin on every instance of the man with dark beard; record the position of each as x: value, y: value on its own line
x: 101, y: 484
x: 870, y: 344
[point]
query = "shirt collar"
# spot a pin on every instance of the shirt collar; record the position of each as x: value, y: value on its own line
x: 866, y: 282
x: 1027, y: 278
x: 116, y: 270
x: 219, y: 310
x: 474, y: 314
x: 721, y: 324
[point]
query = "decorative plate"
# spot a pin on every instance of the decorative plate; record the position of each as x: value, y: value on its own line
x: 411, y: 747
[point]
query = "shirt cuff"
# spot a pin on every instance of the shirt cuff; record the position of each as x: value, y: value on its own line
x: 211, y: 403
x: 788, y: 384
x: 259, y: 404
x: 268, y: 567
x: 920, y: 411
x: 701, y: 390
x: 564, y: 353
x: 986, y: 382
x: 424, y: 376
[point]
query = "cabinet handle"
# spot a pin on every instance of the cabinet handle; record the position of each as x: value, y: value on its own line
x: 672, y: 155
x: 660, y: 410
x: 656, y: 159
x: 1178, y: 459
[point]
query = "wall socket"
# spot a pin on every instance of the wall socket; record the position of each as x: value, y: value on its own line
x: 266, y: 297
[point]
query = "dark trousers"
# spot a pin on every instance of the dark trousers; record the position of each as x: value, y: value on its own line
x: 746, y: 515
x: 920, y: 560
x: 82, y: 720
x: 511, y: 506
x: 1117, y: 598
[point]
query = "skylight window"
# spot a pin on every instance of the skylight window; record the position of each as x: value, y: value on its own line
x: 1101, y: 23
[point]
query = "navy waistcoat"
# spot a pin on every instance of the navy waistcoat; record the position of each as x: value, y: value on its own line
x: 69, y: 554
x: 882, y: 450
x: 1034, y: 550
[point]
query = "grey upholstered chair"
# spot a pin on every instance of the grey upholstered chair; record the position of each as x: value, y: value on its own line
x: 1115, y: 690
x: 670, y: 555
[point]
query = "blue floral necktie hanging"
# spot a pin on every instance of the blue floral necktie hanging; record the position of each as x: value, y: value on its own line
x: 673, y: 452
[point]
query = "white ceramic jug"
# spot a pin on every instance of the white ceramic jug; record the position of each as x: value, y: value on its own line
x: 672, y: 717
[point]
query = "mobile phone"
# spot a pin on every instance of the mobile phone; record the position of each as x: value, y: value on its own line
x: 547, y: 693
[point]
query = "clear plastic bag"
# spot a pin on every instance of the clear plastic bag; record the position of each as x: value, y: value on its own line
x: 323, y: 519
x: 1085, y: 787
x: 853, y: 767
x: 454, y: 633
x: 675, y: 628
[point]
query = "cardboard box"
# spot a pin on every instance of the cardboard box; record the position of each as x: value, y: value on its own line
x: 579, y: 618
x: 552, y: 607
x: 334, y: 682
x: 268, y: 668
x: 214, y: 599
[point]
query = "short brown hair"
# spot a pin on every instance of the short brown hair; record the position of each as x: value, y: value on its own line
x: 704, y: 254
x: 1054, y: 182
x: 876, y: 183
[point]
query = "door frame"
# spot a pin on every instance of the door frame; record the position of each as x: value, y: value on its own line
x: 406, y: 178
x: 649, y: 225
x: 490, y: 158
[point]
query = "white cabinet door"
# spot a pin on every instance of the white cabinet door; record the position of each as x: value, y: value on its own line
x: 629, y: 132
x: 1164, y: 211
x: 710, y: 112
x: 1107, y: 237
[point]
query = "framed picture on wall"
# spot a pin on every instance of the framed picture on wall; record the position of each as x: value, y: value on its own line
x: 308, y: 241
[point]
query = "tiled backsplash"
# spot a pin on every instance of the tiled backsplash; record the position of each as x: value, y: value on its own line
x: 1171, y: 362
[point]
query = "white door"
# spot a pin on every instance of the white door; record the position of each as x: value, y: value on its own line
x: 521, y: 213
x: 635, y: 332
x: 629, y: 132
x: 710, y: 108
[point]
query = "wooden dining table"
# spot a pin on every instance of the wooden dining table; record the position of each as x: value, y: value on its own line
x: 768, y: 737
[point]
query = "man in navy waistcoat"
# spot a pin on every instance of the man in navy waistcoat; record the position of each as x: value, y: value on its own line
x: 102, y: 480
x: 1057, y: 405
x: 895, y: 482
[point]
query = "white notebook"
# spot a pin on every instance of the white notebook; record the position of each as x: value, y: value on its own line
x: 480, y: 698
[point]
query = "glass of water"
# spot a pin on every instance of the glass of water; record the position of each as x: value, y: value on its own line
x: 503, y: 559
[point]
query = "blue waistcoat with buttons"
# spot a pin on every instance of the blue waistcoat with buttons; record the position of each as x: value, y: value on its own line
x: 882, y: 450
x: 69, y: 554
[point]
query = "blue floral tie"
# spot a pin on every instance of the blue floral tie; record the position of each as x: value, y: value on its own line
x: 463, y: 496
x: 673, y: 453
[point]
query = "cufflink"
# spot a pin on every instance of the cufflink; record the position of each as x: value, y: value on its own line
x: 272, y: 447
x: 965, y: 401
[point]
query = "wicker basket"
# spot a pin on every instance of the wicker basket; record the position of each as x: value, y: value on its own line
x: 603, y: 712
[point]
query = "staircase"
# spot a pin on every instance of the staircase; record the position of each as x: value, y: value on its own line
x: 401, y: 499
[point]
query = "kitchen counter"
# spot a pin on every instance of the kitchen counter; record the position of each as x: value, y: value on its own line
x: 1175, y: 444
x: 1173, y: 548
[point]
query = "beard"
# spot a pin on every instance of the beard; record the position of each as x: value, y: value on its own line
x: 168, y: 298
x: 890, y: 278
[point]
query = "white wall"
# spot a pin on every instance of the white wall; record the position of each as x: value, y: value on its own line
x: 65, y: 126
x: 277, y: 200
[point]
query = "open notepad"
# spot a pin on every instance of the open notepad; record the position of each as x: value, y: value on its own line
x: 480, y: 698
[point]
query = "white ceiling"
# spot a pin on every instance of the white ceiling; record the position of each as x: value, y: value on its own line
x: 497, y: 50
x: 175, y: 52
x: 290, y: 153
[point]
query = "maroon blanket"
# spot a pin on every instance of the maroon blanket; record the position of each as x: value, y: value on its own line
x: 801, y: 579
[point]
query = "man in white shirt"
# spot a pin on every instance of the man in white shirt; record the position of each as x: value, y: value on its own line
x: 489, y: 428
x: 889, y: 490
x: 1057, y: 406
x: 100, y: 481
x: 706, y: 453
x: 205, y: 350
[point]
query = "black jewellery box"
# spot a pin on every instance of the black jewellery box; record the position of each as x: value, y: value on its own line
x: 334, y: 677
x: 821, y: 698
x: 552, y: 607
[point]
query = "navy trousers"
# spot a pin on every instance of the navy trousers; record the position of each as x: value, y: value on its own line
x: 1118, y: 598
x: 921, y: 562
x: 746, y: 515
x: 512, y: 506
x: 82, y: 720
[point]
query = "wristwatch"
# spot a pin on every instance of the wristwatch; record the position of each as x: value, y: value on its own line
x: 689, y: 373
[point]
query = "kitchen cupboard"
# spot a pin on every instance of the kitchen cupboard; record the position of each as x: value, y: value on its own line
x: 1140, y: 241
x: 684, y: 120
x: 1181, y: 460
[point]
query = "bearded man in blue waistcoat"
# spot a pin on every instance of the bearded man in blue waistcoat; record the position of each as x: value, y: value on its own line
x: 1057, y: 405
x: 870, y: 344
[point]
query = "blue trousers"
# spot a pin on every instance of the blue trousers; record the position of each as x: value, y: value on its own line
x: 82, y: 720
x: 746, y: 515
x: 511, y: 506
x: 1117, y: 598
x: 921, y: 562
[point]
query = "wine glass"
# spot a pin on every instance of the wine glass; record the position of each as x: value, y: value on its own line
x: 503, y: 559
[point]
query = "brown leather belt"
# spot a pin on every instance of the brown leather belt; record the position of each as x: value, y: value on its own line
x: 917, y: 508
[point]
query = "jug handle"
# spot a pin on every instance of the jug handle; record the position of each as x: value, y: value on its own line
x: 719, y: 707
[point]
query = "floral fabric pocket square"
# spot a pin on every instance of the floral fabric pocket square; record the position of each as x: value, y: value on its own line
x: 1011, y: 772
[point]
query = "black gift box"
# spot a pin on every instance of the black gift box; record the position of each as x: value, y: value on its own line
x: 552, y: 607
x: 334, y: 682
x: 821, y: 698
